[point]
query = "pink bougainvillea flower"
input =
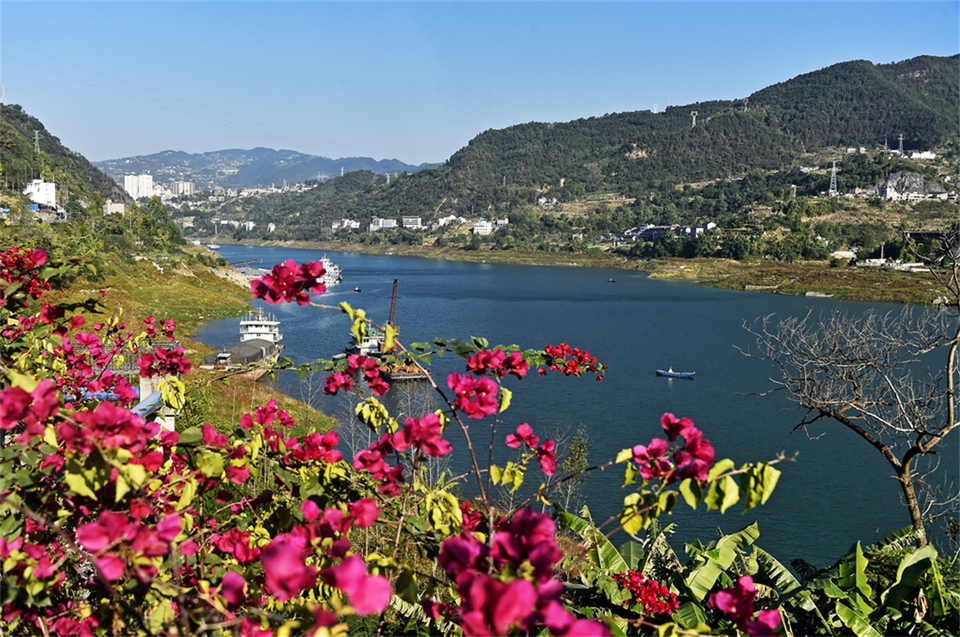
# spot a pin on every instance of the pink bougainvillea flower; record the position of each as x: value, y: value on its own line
x: 212, y: 438
x: 737, y: 603
x: 476, y: 397
x: 289, y: 282
x: 111, y: 566
x: 673, y: 426
x: 310, y: 510
x: 238, y: 475
x: 285, y: 568
x: 368, y: 594
x: 425, y: 434
x: 233, y: 589
x: 364, y: 512
x: 547, y: 457
x: 524, y: 435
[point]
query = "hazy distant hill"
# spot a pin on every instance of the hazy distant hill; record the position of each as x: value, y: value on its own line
x: 240, y: 168
x: 851, y: 104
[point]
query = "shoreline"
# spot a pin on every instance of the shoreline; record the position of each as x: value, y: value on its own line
x: 810, y: 278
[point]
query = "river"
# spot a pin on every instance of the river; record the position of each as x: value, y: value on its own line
x: 837, y: 491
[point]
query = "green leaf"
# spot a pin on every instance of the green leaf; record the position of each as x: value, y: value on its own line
x: 702, y: 579
x: 912, y: 568
x: 853, y: 577
x: 690, y: 615
x: 623, y: 456
x: 479, y: 342
x: 855, y: 621
x: 505, y: 396
x: 692, y: 492
x: 771, y: 570
x: 605, y: 553
x: 496, y: 474
x: 632, y: 553
x: 758, y: 483
x: 722, y: 494
x: 346, y: 309
x: 630, y: 474
x: 210, y: 463
x: 719, y: 468
x: 191, y: 436
x: 390, y: 338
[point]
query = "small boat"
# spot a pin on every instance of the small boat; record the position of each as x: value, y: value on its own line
x: 213, y: 246
x: 610, y: 280
x: 672, y: 374
x: 356, y: 289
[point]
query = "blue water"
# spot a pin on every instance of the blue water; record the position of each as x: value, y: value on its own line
x: 838, y: 491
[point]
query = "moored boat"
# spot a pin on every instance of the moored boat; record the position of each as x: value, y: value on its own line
x: 259, y: 346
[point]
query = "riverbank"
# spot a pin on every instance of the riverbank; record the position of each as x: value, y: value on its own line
x: 816, y: 278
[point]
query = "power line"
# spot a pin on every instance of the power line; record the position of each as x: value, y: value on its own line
x: 162, y: 99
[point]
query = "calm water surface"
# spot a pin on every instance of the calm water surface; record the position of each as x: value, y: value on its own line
x: 837, y: 491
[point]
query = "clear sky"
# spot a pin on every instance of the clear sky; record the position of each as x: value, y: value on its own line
x: 413, y: 81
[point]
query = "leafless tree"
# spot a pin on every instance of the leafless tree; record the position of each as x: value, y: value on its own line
x: 891, y: 378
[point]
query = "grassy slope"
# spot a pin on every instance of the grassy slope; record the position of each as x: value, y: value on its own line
x: 191, y: 295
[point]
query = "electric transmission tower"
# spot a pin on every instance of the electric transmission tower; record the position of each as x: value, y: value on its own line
x: 833, y: 180
x: 693, y: 114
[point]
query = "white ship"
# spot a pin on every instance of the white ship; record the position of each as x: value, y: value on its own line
x: 259, y: 346
x: 333, y: 274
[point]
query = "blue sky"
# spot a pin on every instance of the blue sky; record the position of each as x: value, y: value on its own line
x: 413, y: 81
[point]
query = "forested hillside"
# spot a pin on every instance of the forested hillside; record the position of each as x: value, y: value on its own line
x: 78, y: 181
x: 645, y: 155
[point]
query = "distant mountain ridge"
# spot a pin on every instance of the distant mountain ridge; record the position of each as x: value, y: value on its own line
x: 237, y: 168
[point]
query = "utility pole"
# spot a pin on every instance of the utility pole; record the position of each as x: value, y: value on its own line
x: 36, y: 141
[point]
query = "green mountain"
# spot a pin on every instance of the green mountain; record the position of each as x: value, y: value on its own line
x: 851, y: 104
x: 78, y: 181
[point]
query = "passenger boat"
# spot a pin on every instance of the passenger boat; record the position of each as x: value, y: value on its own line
x: 259, y: 345
x: 672, y: 374
x: 333, y: 274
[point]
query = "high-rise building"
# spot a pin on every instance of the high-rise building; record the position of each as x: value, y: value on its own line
x: 182, y: 188
x: 138, y: 186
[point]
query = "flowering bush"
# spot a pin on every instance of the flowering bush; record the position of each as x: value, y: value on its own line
x: 112, y: 525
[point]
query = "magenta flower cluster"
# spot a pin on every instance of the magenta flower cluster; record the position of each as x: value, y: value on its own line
x: 495, y: 598
x: 737, y: 603
x: 655, y: 597
x: 290, y: 282
x: 692, y: 459
x: 546, y: 452
x: 424, y: 434
x: 344, y: 380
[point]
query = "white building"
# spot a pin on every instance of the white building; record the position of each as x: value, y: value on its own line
x: 111, y: 207
x: 182, y: 188
x: 344, y: 224
x: 925, y: 154
x: 138, y: 186
x: 442, y: 221
x: 382, y: 224
x: 42, y: 192
x: 411, y: 222
x: 248, y: 225
x: 482, y: 227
